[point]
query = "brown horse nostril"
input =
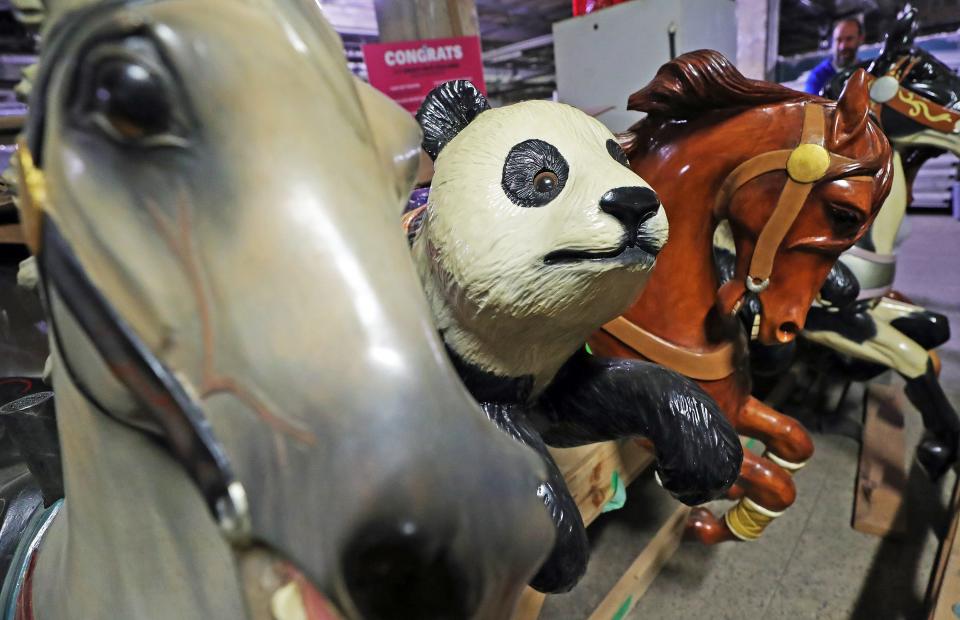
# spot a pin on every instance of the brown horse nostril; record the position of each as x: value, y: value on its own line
x: 787, y: 332
x: 395, y: 570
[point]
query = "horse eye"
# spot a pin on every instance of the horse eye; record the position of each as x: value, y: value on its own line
x: 131, y: 99
x: 846, y: 222
x: 546, y: 181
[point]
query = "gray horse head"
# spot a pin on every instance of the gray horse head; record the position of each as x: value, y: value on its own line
x: 232, y: 193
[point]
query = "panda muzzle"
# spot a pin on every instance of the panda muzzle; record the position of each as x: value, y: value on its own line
x: 633, y: 207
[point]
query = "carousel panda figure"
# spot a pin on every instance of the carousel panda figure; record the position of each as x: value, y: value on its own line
x: 536, y: 233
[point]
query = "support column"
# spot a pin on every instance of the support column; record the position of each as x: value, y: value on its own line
x: 758, y: 30
x: 412, y: 20
x: 409, y: 20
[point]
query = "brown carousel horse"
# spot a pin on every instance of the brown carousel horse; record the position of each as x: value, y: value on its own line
x: 799, y: 178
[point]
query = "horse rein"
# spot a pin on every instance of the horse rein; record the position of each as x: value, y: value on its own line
x: 161, y: 392
x: 888, y: 91
x: 806, y: 164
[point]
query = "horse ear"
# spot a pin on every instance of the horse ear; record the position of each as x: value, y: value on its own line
x: 853, y: 106
x: 900, y: 38
x: 446, y: 111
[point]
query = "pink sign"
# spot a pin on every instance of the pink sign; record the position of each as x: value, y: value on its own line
x: 407, y: 70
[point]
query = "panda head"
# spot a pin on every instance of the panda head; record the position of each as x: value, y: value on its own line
x: 533, y: 214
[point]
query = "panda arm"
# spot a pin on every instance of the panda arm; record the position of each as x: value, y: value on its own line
x: 600, y: 399
x: 567, y: 561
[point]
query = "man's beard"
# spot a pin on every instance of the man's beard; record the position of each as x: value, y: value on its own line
x: 844, y: 60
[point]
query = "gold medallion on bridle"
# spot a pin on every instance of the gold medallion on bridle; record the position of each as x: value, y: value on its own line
x: 808, y: 163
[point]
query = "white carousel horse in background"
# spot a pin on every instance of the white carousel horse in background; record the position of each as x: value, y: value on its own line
x: 246, y: 372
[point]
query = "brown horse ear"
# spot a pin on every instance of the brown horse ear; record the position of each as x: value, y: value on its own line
x: 627, y: 141
x: 853, y: 107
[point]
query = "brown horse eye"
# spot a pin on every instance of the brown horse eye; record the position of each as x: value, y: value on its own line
x: 546, y: 181
x: 845, y: 221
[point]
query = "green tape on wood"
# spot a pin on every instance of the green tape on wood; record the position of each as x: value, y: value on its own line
x: 619, y: 498
x: 623, y: 609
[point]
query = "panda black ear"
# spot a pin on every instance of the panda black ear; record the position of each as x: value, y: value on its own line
x: 446, y: 111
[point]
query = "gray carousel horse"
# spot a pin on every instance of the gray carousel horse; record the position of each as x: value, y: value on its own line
x: 917, y: 99
x: 247, y: 377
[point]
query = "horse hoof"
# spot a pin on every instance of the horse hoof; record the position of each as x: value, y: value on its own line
x: 704, y: 527
x: 935, y: 457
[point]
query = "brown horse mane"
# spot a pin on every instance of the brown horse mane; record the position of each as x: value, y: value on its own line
x: 703, y: 81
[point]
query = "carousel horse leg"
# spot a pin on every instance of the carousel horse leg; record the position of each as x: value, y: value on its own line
x: 891, y: 348
x: 937, y: 453
x: 765, y: 490
x: 765, y: 487
x: 787, y: 441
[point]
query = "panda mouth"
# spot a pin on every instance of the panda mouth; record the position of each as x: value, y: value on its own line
x: 635, y: 249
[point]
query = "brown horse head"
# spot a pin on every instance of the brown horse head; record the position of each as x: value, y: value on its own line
x: 798, y: 177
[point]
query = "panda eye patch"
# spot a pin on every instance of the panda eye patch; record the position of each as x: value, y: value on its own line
x: 534, y: 173
x: 617, y: 153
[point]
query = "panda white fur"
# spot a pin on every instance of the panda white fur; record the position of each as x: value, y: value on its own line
x: 517, y: 288
x: 536, y: 233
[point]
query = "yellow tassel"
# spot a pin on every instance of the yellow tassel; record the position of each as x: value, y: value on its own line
x: 747, y: 519
x: 33, y: 197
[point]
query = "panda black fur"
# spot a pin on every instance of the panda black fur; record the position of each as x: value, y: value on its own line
x: 535, y: 234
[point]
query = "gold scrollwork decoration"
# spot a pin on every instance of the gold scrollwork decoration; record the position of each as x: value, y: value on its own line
x: 918, y: 106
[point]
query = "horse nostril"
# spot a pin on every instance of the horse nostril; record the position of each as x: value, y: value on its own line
x: 630, y: 205
x: 396, y: 570
x: 787, y: 332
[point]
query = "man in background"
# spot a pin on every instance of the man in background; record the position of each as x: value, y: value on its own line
x: 847, y: 38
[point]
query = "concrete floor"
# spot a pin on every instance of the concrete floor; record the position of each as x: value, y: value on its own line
x: 810, y: 563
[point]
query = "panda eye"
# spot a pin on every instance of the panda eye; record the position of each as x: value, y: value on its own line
x: 545, y: 181
x: 617, y: 153
x: 534, y: 173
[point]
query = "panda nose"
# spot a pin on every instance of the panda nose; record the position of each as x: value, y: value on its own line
x: 631, y: 205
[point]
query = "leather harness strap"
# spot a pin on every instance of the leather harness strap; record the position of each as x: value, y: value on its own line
x: 704, y: 366
x: 887, y: 90
x: 160, y: 391
x: 806, y: 164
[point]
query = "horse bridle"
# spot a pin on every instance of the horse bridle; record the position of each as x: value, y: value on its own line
x: 806, y: 164
x: 888, y: 91
x: 162, y: 394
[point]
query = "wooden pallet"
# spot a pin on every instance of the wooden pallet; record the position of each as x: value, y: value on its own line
x: 589, y: 471
x: 882, y: 473
x: 944, y: 591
